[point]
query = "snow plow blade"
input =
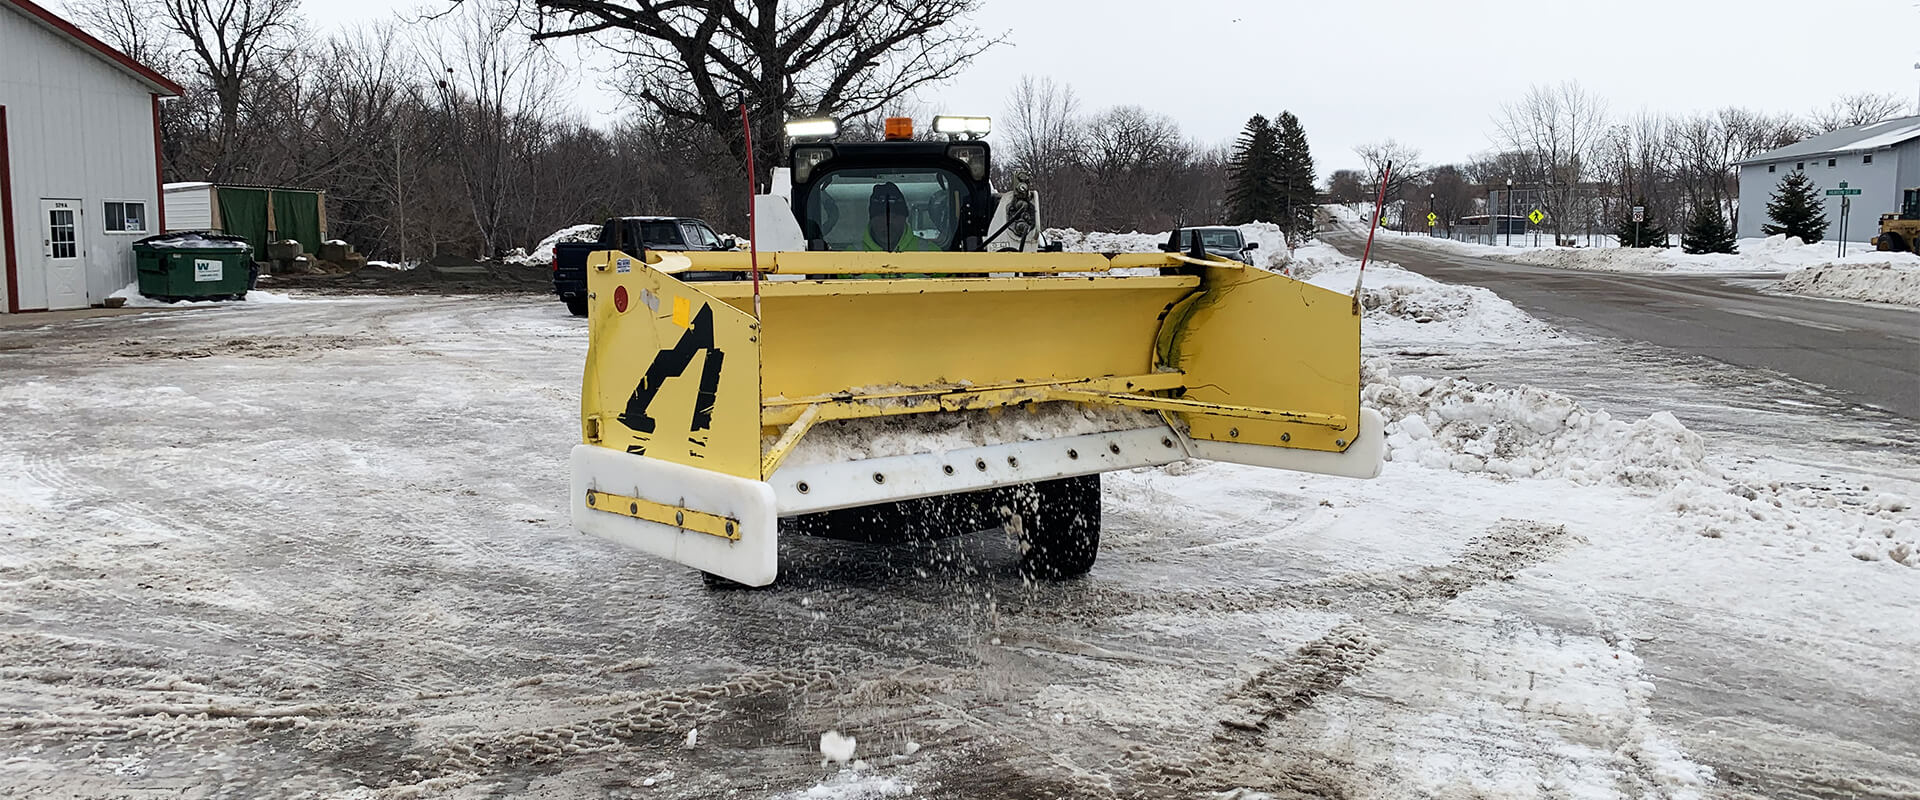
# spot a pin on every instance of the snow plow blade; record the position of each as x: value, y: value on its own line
x: 690, y: 407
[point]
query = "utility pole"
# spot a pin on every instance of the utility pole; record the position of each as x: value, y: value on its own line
x: 399, y: 196
x: 1506, y: 224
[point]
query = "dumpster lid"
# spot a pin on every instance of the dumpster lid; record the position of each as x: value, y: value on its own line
x: 195, y: 240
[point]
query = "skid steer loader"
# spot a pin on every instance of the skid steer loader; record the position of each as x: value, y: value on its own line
x: 900, y: 289
x: 1900, y: 231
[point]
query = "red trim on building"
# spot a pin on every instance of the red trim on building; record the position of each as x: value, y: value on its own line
x: 6, y: 217
x: 68, y: 29
x: 159, y: 178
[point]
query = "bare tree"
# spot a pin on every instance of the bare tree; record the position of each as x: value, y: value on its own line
x: 1132, y: 156
x: 495, y: 92
x: 1377, y: 155
x: 129, y: 26
x: 230, y: 39
x: 1558, y: 126
x: 1862, y: 108
x: 1043, y: 135
x: 1347, y: 187
x: 695, y: 60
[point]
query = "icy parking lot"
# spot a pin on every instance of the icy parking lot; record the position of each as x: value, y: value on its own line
x: 319, y: 550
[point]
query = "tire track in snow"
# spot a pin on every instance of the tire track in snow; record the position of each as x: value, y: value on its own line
x: 1250, y: 750
x: 659, y: 718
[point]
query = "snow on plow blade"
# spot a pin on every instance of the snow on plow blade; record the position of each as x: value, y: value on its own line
x: 690, y: 407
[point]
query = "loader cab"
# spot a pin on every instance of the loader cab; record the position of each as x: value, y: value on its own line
x: 898, y: 195
x: 1910, y: 204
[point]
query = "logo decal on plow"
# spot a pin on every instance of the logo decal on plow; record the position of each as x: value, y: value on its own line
x: 673, y: 363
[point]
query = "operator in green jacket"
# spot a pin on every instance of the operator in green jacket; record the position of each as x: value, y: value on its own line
x: 887, y: 222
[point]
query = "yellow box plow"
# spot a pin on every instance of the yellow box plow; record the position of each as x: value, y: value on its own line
x: 690, y: 408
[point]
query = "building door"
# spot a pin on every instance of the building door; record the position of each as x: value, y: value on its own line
x: 64, y: 262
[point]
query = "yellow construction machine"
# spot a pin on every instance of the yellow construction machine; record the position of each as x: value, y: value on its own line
x: 893, y: 290
x: 1900, y: 233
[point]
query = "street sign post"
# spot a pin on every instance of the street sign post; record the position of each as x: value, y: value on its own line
x: 1639, y: 213
x: 1846, y: 205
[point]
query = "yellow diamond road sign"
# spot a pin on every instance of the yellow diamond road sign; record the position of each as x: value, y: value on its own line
x: 1432, y: 219
x: 1536, y: 216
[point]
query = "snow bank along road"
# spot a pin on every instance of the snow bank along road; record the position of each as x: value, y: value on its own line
x: 319, y: 550
x: 1870, y: 352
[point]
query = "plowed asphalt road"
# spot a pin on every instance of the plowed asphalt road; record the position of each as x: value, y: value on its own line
x: 1867, y: 352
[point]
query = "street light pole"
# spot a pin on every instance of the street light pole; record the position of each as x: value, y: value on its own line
x: 1430, y: 223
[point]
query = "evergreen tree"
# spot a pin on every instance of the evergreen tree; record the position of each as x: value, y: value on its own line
x: 1640, y: 234
x: 1707, y: 231
x: 1253, y: 173
x: 1296, y: 175
x: 1795, y: 210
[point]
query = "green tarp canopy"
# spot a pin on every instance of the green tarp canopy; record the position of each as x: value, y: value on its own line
x: 265, y: 215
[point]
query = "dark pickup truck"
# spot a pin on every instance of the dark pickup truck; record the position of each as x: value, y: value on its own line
x: 635, y: 233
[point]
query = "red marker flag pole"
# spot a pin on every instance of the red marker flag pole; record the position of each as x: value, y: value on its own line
x: 753, y: 236
x: 1378, y: 206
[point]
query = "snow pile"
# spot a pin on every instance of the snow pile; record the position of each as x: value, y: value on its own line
x: 1881, y: 283
x: 1527, y: 432
x: 841, y: 441
x: 1403, y: 306
x: 1524, y: 432
x: 1772, y: 254
x: 1272, y: 253
x: 134, y: 299
x: 542, y: 254
x: 1096, y: 242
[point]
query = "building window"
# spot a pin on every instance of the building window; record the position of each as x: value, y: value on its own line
x: 1770, y: 167
x: 1832, y: 161
x: 1802, y: 166
x: 126, y: 217
x: 1866, y: 159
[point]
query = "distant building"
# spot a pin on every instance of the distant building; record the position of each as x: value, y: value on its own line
x: 79, y: 161
x: 1878, y: 159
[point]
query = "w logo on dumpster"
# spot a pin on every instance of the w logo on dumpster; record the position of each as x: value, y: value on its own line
x: 673, y: 363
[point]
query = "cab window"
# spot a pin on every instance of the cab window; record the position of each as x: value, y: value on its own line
x: 1212, y: 240
x: 837, y: 208
x: 656, y: 234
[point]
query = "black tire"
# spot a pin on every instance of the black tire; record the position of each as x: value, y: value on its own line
x: 1059, y: 527
x: 902, y: 521
x: 718, y: 584
x: 1894, y: 242
x: 576, y: 305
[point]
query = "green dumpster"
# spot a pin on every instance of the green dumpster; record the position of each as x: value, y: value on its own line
x: 194, y: 265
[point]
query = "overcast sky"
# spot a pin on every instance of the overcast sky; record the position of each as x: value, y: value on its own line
x: 1430, y: 74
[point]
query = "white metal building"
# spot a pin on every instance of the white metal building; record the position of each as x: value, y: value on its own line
x: 1878, y: 159
x: 79, y: 161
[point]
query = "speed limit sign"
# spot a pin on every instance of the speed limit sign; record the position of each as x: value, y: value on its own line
x: 1639, y: 213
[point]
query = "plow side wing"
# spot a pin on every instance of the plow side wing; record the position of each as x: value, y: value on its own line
x: 1264, y: 342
